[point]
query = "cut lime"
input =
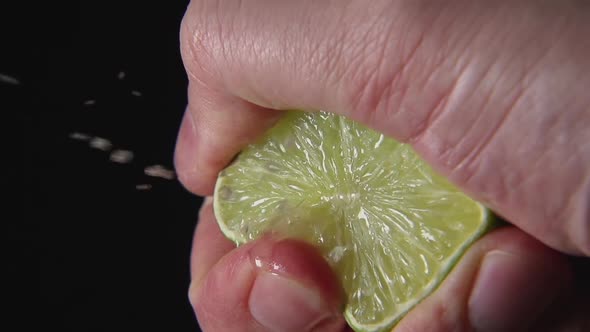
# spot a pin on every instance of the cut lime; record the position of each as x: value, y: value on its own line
x: 389, y: 226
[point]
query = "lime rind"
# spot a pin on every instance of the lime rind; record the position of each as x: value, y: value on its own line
x: 235, y: 236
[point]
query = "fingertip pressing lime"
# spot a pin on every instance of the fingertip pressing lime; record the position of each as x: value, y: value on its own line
x: 390, y: 227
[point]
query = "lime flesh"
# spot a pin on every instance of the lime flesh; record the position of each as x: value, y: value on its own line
x: 388, y: 225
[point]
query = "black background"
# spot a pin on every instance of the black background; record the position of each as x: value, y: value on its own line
x: 92, y: 252
x: 96, y: 254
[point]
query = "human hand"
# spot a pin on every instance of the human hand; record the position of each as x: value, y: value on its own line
x: 492, y: 94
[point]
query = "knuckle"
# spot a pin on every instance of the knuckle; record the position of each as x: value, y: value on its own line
x: 386, y: 85
x: 371, y: 80
x: 471, y: 141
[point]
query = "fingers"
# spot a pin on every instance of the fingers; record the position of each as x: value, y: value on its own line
x: 214, y: 128
x: 506, y: 282
x: 209, y: 244
x: 461, y: 80
x: 244, y: 59
x: 268, y: 285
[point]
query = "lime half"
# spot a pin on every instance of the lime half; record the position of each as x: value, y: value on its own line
x: 389, y: 226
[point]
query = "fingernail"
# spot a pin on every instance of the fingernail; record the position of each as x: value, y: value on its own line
x: 281, y: 304
x: 510, y: 292
x: 295, y: 288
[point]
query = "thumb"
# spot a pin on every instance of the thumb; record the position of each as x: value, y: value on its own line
x: 269, y: 285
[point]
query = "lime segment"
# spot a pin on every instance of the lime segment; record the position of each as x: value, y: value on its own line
x: 389, y: 226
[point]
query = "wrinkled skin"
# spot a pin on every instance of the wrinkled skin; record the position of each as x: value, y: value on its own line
x: 493, y: 94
